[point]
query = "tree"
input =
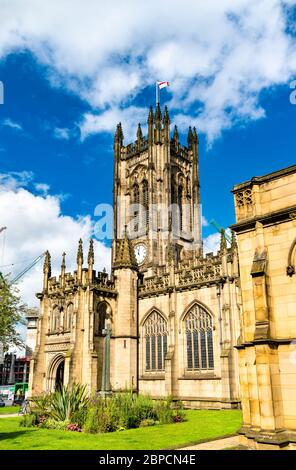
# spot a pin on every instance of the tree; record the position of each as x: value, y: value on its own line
x: 12, y: 314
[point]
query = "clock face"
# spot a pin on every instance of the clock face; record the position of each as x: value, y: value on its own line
x: 141, y: 253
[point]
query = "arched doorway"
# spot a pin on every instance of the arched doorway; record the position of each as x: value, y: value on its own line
x: 55, y: 375
x: 59, y: 381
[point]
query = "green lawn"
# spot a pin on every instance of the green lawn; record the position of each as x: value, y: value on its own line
x: 9, y: 410
x: 201, y: 425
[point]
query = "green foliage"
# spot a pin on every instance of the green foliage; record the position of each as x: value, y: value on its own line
x: 92, y: 420
x: 79, y: 416
x: 129, y: 410
x: 51, y: 423
x: 63, y: 403
x: 41, y: 404
x: 29, y: 420
x: 164, y: 411
x: 100, y: 414
x: 147, y: 422
x: 12, y: 314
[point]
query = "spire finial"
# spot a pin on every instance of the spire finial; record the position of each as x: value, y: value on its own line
x: 223, y: 244
x: 190, y: 138
x: 158, y: 115
x: 47, y: 264
x: 63, y: 261
x: 233, y: 240
x: 195, y: 136
x: 118, y: 134
x: 139, y: 134
x: 90, y: 258
x: 150, y: 115
x: 176, y: 134
x: 80, y: 252
x: 166, y: 117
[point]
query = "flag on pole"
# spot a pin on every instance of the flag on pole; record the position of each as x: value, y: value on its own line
x: 163, y: 84
x: 159, y: 86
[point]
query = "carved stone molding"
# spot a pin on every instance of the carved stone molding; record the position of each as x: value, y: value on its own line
x: 290, y: 266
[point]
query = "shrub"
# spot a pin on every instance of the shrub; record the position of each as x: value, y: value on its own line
x: 63, y: 403
x: 147, y: 422
x: 79, y: 417
x: 51, y: 423
x: 92, y: 420
x: 28, y: 420
x: 164, y: 411
x: 73, y: 427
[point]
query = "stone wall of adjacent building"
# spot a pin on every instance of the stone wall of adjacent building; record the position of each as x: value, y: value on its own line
x: 266, y: 232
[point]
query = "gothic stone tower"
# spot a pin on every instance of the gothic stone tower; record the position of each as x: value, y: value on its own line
x: 167, y: 319
x: 156, y: 194
x: 187, y: 307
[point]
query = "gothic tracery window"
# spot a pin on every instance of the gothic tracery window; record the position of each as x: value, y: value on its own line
x: 136, y: 202
x: 155, y: 330
x: 199, y: 339
x: 100, y: 318
x: 145, y: 200
x: 180, y: 202
x: 55, y: 319
x: 68, y: 316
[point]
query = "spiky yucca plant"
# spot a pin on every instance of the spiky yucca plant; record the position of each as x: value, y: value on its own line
x: 67, y: 400
x: 63, y: 403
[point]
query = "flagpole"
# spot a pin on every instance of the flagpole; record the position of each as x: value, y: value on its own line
x: 157, y: 93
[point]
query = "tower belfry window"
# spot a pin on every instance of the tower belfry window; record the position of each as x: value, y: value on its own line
x: 145, y: 200
x: 180, y: 204
x: 136, y: 202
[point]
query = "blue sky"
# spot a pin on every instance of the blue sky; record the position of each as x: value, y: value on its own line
x: 68, y: 82
x: 82, y: 171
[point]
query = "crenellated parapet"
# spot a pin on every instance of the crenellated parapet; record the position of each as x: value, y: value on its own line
x: 84, y: 278
x: 204, y: 271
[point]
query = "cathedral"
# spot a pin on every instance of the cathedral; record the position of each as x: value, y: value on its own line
x: 165, y: 322
x: 215, y: 331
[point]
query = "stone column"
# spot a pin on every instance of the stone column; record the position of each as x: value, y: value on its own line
x: 106, y: 386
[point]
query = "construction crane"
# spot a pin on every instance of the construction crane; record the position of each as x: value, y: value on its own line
x: 24, y: 271
x: 1, y: 276
x: 219, y: 229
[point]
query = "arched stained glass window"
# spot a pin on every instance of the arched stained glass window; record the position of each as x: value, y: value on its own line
x: 199, y: 339
x: 155, y: 329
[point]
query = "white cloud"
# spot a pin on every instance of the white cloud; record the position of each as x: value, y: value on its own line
x: 218, y: 56
x: 12, y: 124
x: 15, y: 180
x: 211, y: 243
x: 107, y: 120
x: 62, y: 133
x: 35, y: 224
x: 42, y: 188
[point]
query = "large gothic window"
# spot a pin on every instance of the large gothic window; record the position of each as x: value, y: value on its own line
x: 68, y: 317
x: 155, y: 330
x: 55, y: 319
x: 199, y: 339
x: 100, y: 317
x: 136, y: 202
x: 180, y: 203
x: 145, y: 198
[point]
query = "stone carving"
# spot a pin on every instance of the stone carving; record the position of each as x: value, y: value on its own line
x: 244, y: 198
